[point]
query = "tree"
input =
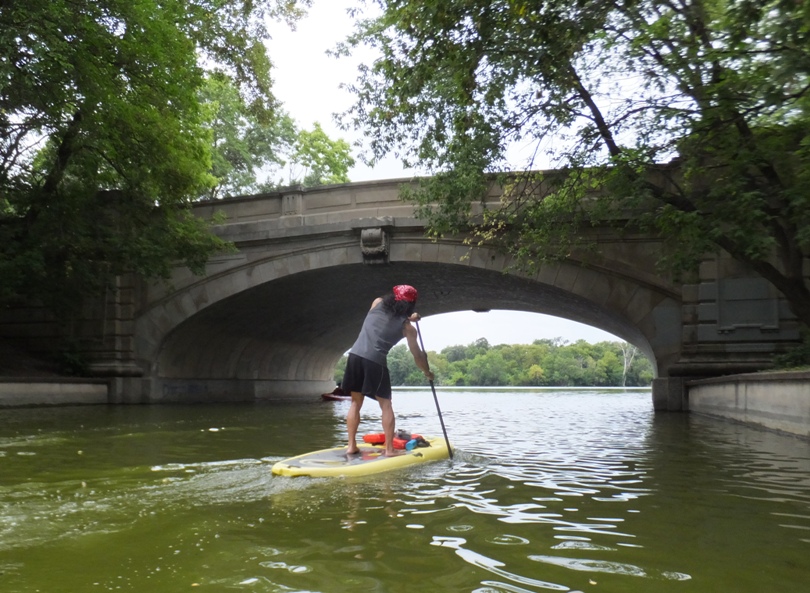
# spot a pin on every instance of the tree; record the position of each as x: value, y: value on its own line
x: 608, y: 366
x: 488, y: 369
x: 249, y: 148
x: 400, y: 364
x: 546, y: 362
x: 628, y: 354
x: 103, y: 140
x: 340, y: 368
x: 316, y: 159
x: 691, y: 116
x: 454, y: 353
x: 243, y: 143
x: 535, y: 375
x: 641, y: 372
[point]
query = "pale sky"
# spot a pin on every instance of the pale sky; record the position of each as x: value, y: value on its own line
x: 307, y: 82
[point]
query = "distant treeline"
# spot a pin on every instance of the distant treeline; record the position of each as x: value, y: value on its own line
x: 542, y: 363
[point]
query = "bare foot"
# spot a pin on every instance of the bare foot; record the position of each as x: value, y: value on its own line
x: 354, y: 451
x: 390, y: 453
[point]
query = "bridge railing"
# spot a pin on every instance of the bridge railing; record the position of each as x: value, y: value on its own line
x: 297, y: 206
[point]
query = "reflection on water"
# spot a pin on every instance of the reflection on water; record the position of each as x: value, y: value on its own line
x: 549, y: 491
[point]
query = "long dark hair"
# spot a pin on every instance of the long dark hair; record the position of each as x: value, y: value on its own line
x: 398, y: 308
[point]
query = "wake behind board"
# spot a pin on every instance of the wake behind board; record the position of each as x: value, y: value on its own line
x: 370, y: 460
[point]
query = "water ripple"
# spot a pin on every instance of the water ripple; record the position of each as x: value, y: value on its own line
x: 620, y: 568
x: 546, y: 492
x: 491, y: 565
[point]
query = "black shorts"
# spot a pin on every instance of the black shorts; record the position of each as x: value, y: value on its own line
x: 366, y: 377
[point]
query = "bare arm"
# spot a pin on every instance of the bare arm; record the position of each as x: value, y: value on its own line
x: 419, y: 357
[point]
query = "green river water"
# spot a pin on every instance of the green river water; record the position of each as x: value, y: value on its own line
x: 550, y: 490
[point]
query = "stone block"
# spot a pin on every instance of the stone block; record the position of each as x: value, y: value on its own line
x: 382, y: 195
x: 281, y: 266
x: 689, y: 333
x: 690, y: 293
x: 707, y: 291
x: 291, y: 222
x: 667, y: 320
x: 638, y: 306
x: 446, y: 254
x: 429, y: 252
x: 708, y: 269
x: 689, y: 314
x: 601, y: 289
x: 331, y: 200
x: 399, y: 251
x: 547, y: 274
x: 669, y: 394
x: 461, y: 254
x: 337, y: 257
x: 479, y: 257
x: 590, y: 284
x: 707, y: 312
x: 498, y: 261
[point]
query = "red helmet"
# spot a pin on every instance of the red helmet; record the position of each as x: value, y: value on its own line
x: 403, y: 292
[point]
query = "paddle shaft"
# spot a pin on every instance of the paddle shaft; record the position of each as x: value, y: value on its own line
x: 435, y: 397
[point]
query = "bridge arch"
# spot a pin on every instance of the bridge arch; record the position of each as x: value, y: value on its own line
x: 273, y: 320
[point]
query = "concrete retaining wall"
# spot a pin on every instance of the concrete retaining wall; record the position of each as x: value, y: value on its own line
x: 778, y: 401
x: 15, y: 392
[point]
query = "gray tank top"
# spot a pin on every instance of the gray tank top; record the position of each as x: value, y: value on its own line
x: 380, y: 332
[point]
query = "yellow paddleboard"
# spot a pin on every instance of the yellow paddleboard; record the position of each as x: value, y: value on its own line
x: 370, y: 460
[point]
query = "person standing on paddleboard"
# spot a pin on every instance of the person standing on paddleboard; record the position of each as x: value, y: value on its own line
x: 387, y: 322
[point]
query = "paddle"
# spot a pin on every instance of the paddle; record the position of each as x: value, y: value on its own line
x: 435, y: 397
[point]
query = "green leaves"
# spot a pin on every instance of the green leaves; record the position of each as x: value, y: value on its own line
x: 543, y: 363
x: 316, y: 159
x: 104, y: 142
x: 687, y: 119
x: 243, y: 145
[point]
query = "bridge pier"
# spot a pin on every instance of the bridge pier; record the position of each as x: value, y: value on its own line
x: 669, y: 394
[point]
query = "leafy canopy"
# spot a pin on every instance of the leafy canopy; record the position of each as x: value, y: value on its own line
x: 543, y: 363
x: 242, y: 144
x: 316, y: 159
x: 103, y: 139
x: 690, y: 115
x: 251, y: 154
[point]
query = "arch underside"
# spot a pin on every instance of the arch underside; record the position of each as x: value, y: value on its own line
x: 292, y: 330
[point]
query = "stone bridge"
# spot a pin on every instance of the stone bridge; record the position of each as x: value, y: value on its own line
x: 272, y: 319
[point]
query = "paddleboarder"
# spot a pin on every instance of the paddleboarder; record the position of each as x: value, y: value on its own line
x: 386, y: 323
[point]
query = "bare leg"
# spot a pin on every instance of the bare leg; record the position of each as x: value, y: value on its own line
x: 388, y: 423
x: 353, y: 421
